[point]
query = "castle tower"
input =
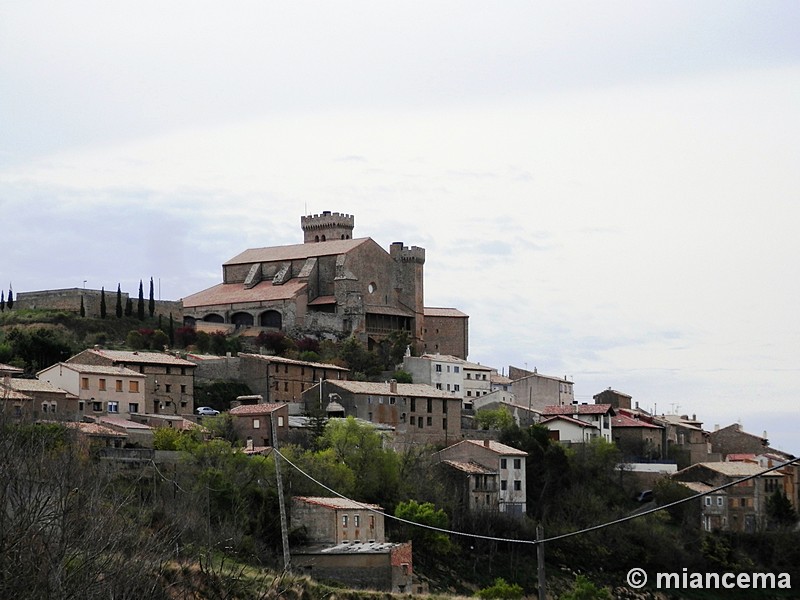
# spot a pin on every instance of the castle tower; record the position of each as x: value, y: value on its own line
x: 327, y: 227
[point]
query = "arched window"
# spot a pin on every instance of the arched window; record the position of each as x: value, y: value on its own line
x: 214, y: 318
x: 271, y: 318
x: 242, y: 319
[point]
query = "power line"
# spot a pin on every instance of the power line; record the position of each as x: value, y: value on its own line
x: 544, y: 540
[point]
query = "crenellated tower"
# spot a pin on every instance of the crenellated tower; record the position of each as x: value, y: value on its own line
x: 327, y: 227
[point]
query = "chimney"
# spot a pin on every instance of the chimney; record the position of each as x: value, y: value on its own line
x: 485, y: 443
x: 393, y: 386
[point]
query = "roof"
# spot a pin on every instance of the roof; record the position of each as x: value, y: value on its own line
x: 32, y: 385
x: 465, y: 364
x: 471, y: 468
x: 411, y: 390
x: 700, y: 488
x: 136, y: 357
x: 336, y: 503
x: 124, y: 423
x: 741, y: 457
x: 615, y: 392
x: 388, y: 310
x: 429, y: 311
x: 96, y: 370
x: 579, y: 409
x: 4, y: 368
x: 296, y: 251
x: 290, y: 361
x: 621, y: 420
x: 236, y: 293
x: 495, y: 447
x: 256, y: 409
x: 568, y: 419
x: 95, y: 430
x: 353, y: 547
x: 734, y: 469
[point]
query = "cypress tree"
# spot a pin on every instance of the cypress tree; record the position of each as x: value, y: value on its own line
x: 171, y: 331
x: 10, y: 301
x: 140, y: 306
x: 119, y: 302
x: 2, y: 301
x: 83, y: 308
x: 128, y: 307
x: 152, y: 304
x: 102, y: 302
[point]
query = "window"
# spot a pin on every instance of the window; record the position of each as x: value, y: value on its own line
x: 44, y: 407
x: 469, y: 393
x: 80, y: 405
x: 133, y: 407
x: 438, y: 368
x: 430, y: 404
x: 504, y: 485
x: 97, y: 406
x: 469, y: 375
x: 448, y: 368
x: 133, y: 387
x: 708, y: 500
x: 280, y: 420
x: 448, y: 387
x: 503, y: 463
x: 118, y: 385
x: 412, y: 420
x: 256, y: 424
x: 456, y: 387
x: 517, y: 485
x: 456, y: 369
x: 356, y: 520
x: 113, y: 407
x: 430, y: 421
x: 183, y: 388
x: 413, y: 404
x: 439, y: 386
x: 167, y: 388
x: 517, y: 463
x: 344, y: 520
x: 285, y: 386
x: 372, y: 521
x: 444, y: 423
x: 419, y: 422
x: 719, y: 501
x: 392, y: 400
x: 53, y: 407
x: 84, y: 383
x: 102, y: 385
x: 369, y: 416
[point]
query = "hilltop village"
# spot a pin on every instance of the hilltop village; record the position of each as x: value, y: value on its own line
x: 336, y: 287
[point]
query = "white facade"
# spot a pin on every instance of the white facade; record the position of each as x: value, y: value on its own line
x: 450, y: 374
x: 100, y: 390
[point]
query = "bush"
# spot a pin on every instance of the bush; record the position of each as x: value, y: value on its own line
x: 501, y: 589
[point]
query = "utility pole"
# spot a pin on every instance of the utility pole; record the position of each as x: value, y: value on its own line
x: 284, y: 526
x: 540, y: 562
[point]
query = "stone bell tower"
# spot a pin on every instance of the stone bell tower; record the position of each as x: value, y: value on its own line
x: 327, y: 227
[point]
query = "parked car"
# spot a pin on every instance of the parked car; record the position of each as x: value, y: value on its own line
x: 644, y: 496
x: 207, y: 411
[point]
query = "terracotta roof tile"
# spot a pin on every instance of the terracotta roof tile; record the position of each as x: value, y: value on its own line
x: 295, y: 251
x: 337, y: 503
x: 136, y: 357
x: 580, y: 409
x: 411, y: 390
x: 430, y: 311
x: 235, y: 293
x: 497, y: 447
x: 264, y: 408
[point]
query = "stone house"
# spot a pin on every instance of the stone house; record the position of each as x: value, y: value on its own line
x: 523, y: 415
x: 597, y: 415
x: 169, y: 380
x: 636, y: 437
x: 506, y: 464
x: 446, y: 331
x: 419, y: 414
x: 743, y: 506
x: 472, y: 486
x: 254, y: 423
x: 347, y: 543
x: 37, y: 399
x: 535, y: 390
x: 100, y: 390
x: 734, y: 440
x: 331, y: 284
x: 279, y: 379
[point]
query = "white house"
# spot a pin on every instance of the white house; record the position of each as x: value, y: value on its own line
x: 451, y: 374
x: 598, y: 415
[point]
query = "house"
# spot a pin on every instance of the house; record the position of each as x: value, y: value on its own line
x: 637, y: 438
x: 332, y: 285
x: 570, y: 430
x: 473, y: 486
x: 446, y: 331
x: 10, y: 371
x: 419, y: 414
x: 347, y: 543
x: 254, y: 423
x: 524, y: 416
x: 735, y: 440
x: 743, y: 507
x: 37, y: 399
x: 535, y: 390
x: 686, y: 441
x: 451, y: 374
x: 169, y: 380
x: 506, y: 463
x: 614, y: 398
x: 279, y: 379
x: 99, y: 389
x: 597, y: 415
x: 713, y: 506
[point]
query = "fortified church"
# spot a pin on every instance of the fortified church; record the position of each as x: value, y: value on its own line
x: 330, y: 284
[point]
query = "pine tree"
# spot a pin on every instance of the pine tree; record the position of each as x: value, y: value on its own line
x: 119, y: 302
x: 102, y: 302
x: 83, y: 308
x: 140, y: 306
x: 152, y: 304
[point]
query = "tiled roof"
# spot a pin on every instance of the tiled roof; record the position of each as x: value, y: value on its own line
x: 4, y: 368
x: 93, y: 429
x: 337, y: 503
x: 579, y: 409
x: 124, y: 423
x: 96, y: 370
x: 699, y: 488
x: 430, y: 311
x: 741, y: 458
x: 736, y: 469
x: 295, y: 251
x: 626, y: 421
x: 33, y: 385
x: 496, y: 447
x: 12, y: 394
x: 471, y: 468
x: 235, y: 293
x: 410, y: 390
x: 568, y: 419
x: 150, y: 358
x: 447, y: 358
x: 290, y: 361
x: 388, y: 310
x: 256, y: 409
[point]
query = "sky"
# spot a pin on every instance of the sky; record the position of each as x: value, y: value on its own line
x: 608, y: 189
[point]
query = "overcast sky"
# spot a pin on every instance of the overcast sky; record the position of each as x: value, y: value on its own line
x: 609, y: 189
